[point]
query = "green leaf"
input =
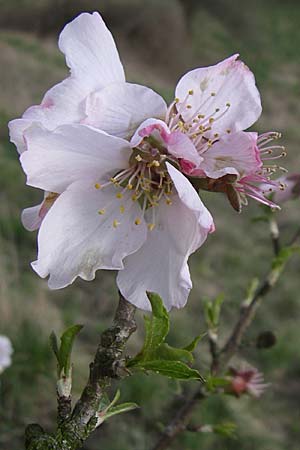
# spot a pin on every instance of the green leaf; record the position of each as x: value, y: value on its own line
x: 119, y: 409
x: 226, y: 429
x: 67, y: 341
x: 54, y: 345
x: 284, y: 254
x: 158, y: 356
x: 172, y: 369
x: 157, y: 328
x: 168, y: 353
x: 192, y: 346
x: 212, y: 383
x: 212, y: 310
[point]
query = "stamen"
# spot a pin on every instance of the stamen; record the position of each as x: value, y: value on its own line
x: 101, y: 212
x: 97, y: 186
x: 116, y: 223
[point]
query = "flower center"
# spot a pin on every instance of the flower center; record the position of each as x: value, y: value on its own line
x: 199, y: 127
x: 146, y: 177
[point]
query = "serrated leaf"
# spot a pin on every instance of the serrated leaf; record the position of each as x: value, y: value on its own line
x: 157, y: 328
x: 171, y: 369
x: 119, y: 409
x: 192, y: 346
x: 67, y: 341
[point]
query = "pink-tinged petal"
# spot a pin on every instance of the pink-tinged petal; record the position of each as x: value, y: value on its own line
x: 180, y: 146
x: 93, y: 59
x: 120, y: 108
x: 192, y: 201
x: 176, y: 142
x: 55, y: 159
x: 33, y: 217
x: 154, y: 127
x: 86, y: 230
x: 91, y: 52
x: 235, y: 154
x: 181, y: 228
x: 16, y: 133
x: 63, y: 103
x: 225, y: 91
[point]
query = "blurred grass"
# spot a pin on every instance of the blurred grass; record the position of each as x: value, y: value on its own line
x: 187, y: 35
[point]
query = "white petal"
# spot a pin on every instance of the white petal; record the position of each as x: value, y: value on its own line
x: 120, y: 108
x: 161, y: 264
x: 228, y: 82
x: 55, y: 159
x: 30, y: 217
x: 90, y: 51
x: 75, y: 240
x: 94, y: 61
x: 234, y: 154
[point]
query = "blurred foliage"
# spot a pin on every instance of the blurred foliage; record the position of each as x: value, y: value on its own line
x: 158, y: 41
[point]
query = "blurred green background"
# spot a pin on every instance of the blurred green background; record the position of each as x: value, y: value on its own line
x: 158, y: 41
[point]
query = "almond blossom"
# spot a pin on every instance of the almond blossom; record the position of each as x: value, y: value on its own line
x: 209, y: 103
x: 120, y: 206
x: 110, y: 155
x: 246, y: 381
x: 6, y: 351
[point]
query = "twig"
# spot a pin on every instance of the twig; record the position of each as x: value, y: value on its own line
x: 73, y: 429
x: 220, y: 361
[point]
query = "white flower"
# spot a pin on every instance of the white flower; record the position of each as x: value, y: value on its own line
x: 6, y: 351
x: 217, y: 99
x: 119, y: 207
x: 108, y: 155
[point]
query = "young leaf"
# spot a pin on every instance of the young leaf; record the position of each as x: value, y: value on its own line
x: 192, y: 346
x: 67, y: 341
x: 54, y: 345
x: 157, y: 328
x: 172, y: 369
x: 168, y: 353
x: 119, y: 409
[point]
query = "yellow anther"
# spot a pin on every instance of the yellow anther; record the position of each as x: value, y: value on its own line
x: 137, y: 221
x: 177, y: 100
x: 122, y: 209
x: 209, y: 143
x: 228, y: 131
x: 228, y: 104
x: 119, y: 195
x: 155, y: 163
x: 138, y: 158
x: 168, y: 201
x: 201, y: 116
x: 211, y: 120
x: 129, y: 186
x: 213, y: 94
x: 116, y: 223
x: 97, y: 186
x: 188, y: 106
x: 191, y: 92
x: 151, y: 226
x: 134, y: 198
x: 101, y: 212
x: 216, y: 135
x: 112, y: 180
